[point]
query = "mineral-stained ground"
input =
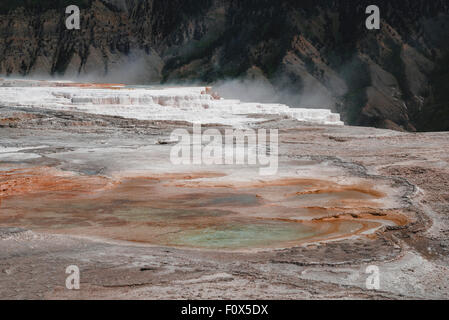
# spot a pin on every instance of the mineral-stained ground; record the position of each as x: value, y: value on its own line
x: 99, y: 192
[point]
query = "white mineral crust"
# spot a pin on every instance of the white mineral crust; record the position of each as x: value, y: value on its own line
x: 190, y: 104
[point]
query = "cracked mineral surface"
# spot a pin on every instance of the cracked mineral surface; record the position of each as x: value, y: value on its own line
x: 86, y: 182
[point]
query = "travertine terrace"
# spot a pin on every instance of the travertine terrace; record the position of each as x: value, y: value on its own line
x: 85, y: 179
x: 194, y: 104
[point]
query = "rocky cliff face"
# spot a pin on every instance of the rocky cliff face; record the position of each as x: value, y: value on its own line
x: 303, y: 53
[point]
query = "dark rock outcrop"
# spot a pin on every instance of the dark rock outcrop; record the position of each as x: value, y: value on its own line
x: 309, y: 53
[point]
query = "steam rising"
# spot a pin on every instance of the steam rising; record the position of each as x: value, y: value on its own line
x: 261, y: 90
x: 142, y: 68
